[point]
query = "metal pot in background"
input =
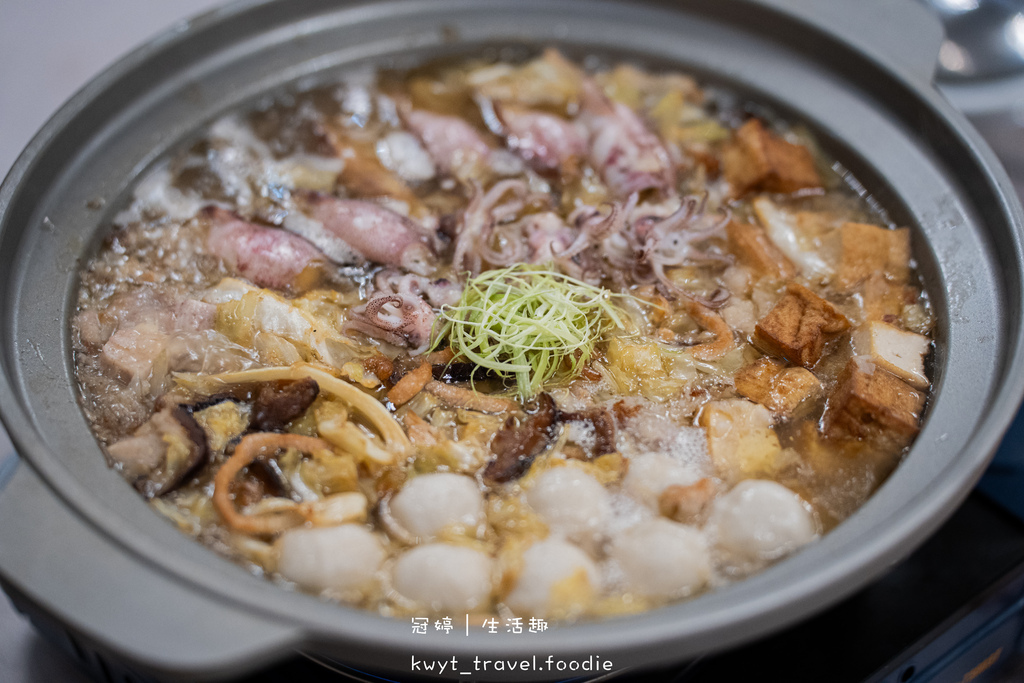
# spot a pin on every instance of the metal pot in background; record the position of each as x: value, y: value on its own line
x: 93, y: 565
x: 981, y: 71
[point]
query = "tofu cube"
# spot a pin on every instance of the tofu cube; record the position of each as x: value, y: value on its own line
x: 900, y: 352
x: 776, y: 387
x: 741, y: 441
x: 800, y: 235
x: 868, y: 249
x: 799, y: 326
x: 882, y: 300
x: 757, y: 159
x: 815, y: 226
x: 871, y: 403
x: 752, y: 247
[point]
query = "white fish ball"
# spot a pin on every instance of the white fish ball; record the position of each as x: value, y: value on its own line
x: 571, y: 502
x: 652, y: 473
x: 759, y: 521
x: 547, y: 564
x: 430, y: 502
x: 342, y: 558
x: 662, y: 559
x: 444, y: 577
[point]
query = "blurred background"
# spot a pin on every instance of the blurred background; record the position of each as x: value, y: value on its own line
x: 50, y: 48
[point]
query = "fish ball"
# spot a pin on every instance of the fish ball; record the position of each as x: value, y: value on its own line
x: 553, y: 571
x: 342, y: 558
x: 570, y: 502
x: 430, y: 502
x: 652, y: 473
x: 662, y: 559
x: 759, y: 521
x: 444, y: 577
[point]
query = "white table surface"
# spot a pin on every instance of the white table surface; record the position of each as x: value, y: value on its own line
x: 48, y: 49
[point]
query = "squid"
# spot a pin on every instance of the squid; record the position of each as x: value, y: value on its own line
x: 349, y: 231
x: 267, y: 256
x: 485, y: 210
x: 548, y: 237
x: 399, y: 312
x: 549, y: 143
x: 456, y: 147
x: 644, y: 245
x: 438, y: 292
x: 398, y: 319
x: 629, y: 157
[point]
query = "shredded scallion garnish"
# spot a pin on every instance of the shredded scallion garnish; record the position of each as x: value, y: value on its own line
x: 529, y: 323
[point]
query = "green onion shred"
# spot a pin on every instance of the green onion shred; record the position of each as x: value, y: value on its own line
x: 529, y: 323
